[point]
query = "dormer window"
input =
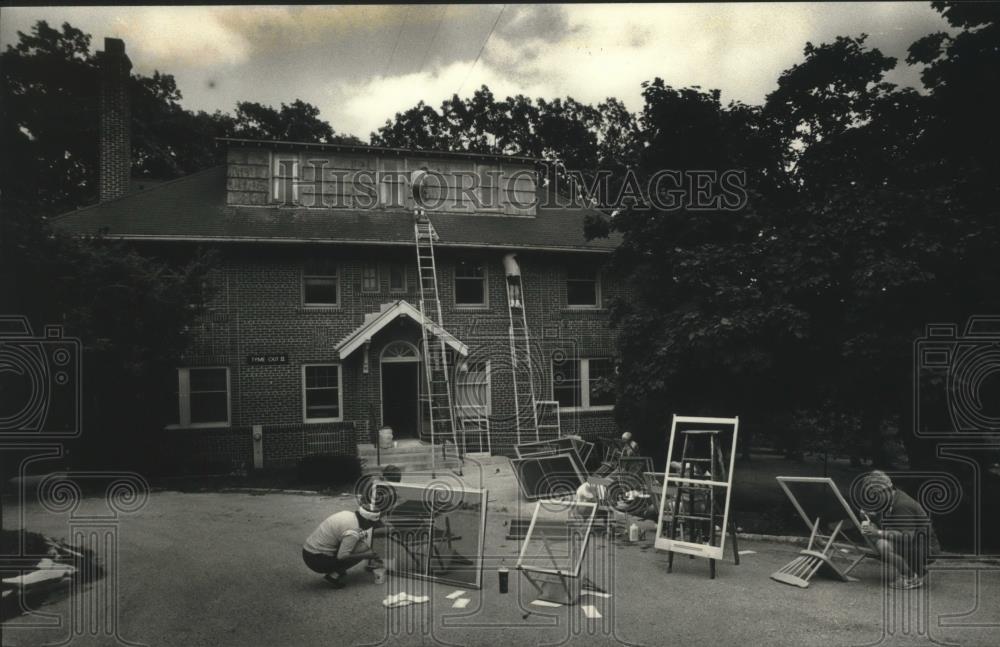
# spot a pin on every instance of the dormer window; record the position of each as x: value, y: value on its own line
x: 285, y: 179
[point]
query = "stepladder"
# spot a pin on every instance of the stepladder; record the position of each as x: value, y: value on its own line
x: 697, y: 512
x: 438, y: 396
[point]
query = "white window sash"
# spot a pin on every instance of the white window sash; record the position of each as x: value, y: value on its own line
x: 340, y: 395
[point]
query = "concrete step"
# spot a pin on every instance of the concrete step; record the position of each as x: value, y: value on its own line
x: 450, y: 464
x: 408, y: 455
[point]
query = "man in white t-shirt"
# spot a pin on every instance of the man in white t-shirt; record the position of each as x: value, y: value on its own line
x: 339, y: 543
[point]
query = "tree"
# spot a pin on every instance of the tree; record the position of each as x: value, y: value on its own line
x: 49, y: 124
x: 95, y: 289
x: 298, y: 121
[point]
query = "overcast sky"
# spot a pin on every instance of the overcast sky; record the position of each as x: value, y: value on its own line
x: 362, y: 64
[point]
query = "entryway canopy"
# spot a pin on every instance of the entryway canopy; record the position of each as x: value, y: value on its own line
x: 376, y: 321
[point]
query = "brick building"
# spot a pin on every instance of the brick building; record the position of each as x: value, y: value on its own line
x: 313, y: 335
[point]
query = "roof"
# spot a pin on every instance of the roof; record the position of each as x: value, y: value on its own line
x: 193, y: 208
x: 376, y: 321
x: 366, y: 148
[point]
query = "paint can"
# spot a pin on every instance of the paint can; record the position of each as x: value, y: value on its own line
x: 504, y: 576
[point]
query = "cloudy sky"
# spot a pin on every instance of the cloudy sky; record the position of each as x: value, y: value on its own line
x: 361, y: 64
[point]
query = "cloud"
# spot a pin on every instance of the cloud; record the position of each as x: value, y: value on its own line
x: 181, y: 36
x: 362, y: 63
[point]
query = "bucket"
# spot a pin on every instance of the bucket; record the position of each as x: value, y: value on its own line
x: 385, y: 437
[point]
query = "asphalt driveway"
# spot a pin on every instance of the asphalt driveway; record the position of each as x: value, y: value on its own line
x: 225, y: 569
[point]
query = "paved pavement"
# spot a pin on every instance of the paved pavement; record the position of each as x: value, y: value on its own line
x: 225, y: 569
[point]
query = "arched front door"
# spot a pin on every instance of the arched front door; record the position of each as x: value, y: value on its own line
x: 400, y: 364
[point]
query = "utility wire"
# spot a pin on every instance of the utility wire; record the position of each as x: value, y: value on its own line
x: 488, y: 36
x: 434, y: 37
x: 396, y: 45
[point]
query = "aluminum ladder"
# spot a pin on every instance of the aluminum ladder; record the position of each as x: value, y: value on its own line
x: 439, y: 396
x: 525, y: 409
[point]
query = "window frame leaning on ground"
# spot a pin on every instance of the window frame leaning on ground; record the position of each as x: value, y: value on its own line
x: 582, y: 376
x: 184, y: 399
x: 686, y: 547
x: 437, y: 499
x: 340, y: 393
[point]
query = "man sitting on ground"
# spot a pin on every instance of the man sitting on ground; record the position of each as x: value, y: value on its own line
x: 909, y: 540
x: 337, y: 544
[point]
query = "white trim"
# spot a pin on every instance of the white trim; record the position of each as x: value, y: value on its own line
x: 583, y: 378
x: 686, y: 547
x: 486, y: 286
x: 368, y: 330
x: 340, y: 393
x: 184, y: 400
x: 399, y: 360
x: 381, y: 384
x: 549, y: 503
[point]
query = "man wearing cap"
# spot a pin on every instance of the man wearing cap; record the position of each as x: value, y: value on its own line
x: 339, y: 543
x: 902, y: 532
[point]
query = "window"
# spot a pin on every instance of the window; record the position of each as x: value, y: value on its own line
x: 202, y: 397
x: 285, y: 174
x: 321, y: 396
x: 397, y: 277
x: 582, y: 287
x: 320, y: 284
x: 600, y: 382
x: 470, y: 283
x: 472, y: 389
x: 369, y: 278
x: 576, y: 383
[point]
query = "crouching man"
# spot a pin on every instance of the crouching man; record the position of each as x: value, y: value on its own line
x: 902, y: 532
x: 340, y: 543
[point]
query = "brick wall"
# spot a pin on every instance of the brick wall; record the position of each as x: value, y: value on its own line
x: 226, y: 449
x: 257, y: 308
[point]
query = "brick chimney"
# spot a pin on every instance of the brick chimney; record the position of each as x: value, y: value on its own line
x: 115, y: 120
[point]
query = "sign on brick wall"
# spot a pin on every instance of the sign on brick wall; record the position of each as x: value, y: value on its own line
x: 263, y: 359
